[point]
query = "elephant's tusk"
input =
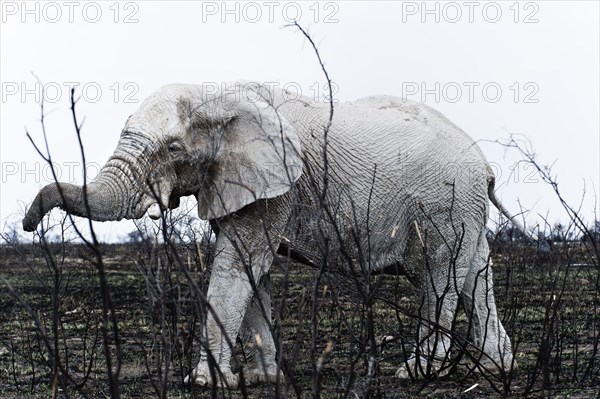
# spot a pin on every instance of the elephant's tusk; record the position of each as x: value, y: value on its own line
x: 154, y: 211
x: 259, y: 342
x: 419, y: 234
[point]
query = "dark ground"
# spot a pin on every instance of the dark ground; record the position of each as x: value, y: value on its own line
x: 550, y: 306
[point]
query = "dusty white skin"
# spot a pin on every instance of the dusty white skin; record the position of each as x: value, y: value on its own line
x: 254, y: 158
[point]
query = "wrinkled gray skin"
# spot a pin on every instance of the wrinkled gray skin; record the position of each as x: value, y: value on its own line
x: 396, y: 169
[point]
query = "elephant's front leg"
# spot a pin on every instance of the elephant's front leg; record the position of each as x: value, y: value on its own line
x: 258, y: 339
x: 245, y: 249
x: 229, y: 294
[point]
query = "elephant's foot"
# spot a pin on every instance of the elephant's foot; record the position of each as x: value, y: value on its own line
x: 201, y: 376
x: 423, y: 368
x: 258, y: 375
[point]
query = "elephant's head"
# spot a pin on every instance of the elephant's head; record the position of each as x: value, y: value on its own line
x: 228, y: 148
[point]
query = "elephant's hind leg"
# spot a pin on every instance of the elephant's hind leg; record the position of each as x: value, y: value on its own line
x: 486, y: 329
x: 445, y: 261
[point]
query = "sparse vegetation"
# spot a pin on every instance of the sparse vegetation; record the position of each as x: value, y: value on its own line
x: 550, y: 304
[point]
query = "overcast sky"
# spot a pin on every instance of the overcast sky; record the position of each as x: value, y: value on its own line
x: 493, y: 68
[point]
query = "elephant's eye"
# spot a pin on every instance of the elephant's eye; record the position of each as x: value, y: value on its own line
x: 175, y: 148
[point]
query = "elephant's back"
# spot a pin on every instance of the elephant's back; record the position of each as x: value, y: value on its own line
x: 411, y: 124
x: 398, y: 133
x: 389, y: 138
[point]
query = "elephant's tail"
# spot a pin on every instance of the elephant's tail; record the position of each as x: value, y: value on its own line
x: 516, y: 222
x: 542, y: 244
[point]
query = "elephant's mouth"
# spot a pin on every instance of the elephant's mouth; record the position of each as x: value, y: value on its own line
x: 170, y: 201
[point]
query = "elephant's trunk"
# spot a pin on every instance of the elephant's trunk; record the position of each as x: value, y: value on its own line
x: 103, y: 203
x: 115, y: 194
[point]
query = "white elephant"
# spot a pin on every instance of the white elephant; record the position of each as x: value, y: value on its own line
x: 389, y: 178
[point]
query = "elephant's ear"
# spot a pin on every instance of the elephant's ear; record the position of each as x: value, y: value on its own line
x: 257, y: 156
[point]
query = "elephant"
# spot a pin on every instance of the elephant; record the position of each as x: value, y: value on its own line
x: 380, y: 178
